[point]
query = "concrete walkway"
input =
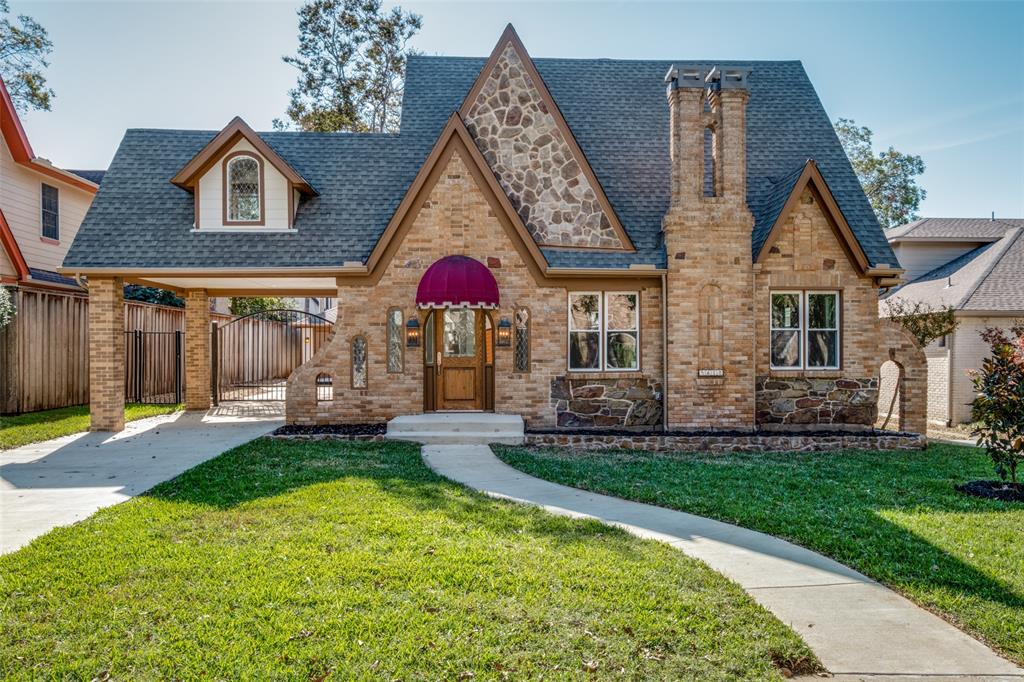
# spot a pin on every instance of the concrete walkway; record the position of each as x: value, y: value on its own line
x: 61, y: 481
x: 859, y: 629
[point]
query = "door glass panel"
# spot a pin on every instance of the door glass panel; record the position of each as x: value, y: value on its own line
x: 459, y: 333
x: 428, y: 339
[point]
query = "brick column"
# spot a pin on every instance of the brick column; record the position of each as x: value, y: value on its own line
x: 106, y: 353
x: 197, y: 350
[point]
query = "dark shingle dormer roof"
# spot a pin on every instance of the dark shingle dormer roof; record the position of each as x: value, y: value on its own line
x: 616, y: 109
x: 93, y: 176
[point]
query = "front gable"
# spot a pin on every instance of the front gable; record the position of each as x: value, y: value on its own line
x: 526, y: 142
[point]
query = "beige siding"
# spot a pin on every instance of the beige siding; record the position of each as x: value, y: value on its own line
x: 968, y: 350
x: 20, y: 199
x: 275, y: 194
x: 6, y: 266
x: 938, y: 383
x: 917, y: 258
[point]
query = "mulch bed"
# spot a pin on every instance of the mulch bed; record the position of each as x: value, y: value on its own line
x: 994, y: 490
x: 378, y: 429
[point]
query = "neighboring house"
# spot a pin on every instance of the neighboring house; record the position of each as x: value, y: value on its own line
x: 41, y: 207
x: 976, y: 266
x: 584, y: 242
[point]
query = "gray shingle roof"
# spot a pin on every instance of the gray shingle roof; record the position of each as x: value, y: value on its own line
x: 617, y: 110
x: 990, y: 278
x: 967, y: 229
x: 52, y: 277
x: 94, y: 176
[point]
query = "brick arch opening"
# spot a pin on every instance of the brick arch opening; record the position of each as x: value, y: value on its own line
x: 902, y: 353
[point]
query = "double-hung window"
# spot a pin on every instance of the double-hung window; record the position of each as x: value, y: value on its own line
x: 50, y: 213
x: 805, y: 330
x: 604, y: 331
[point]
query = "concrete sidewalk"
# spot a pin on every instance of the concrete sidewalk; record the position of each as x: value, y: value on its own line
x: 858, y: 628
x: 61, y: 481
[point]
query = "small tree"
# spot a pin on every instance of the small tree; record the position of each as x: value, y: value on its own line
x: 998, y: 408
x: 7, y: 310
x: 925, y: 323
x: 134, y: 292
x: 888, y: 178
x: 351, y: 61
x: 24, y: 46
x: 250, y: 305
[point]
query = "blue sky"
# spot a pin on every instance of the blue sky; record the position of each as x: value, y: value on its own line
x: 943, y: 80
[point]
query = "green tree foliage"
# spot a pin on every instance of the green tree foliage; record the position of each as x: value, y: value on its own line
x: 888, y: 178
x: 351, y: 60
x: 134, y: 292
x: 998, y: 408
x: 248, y: 305
x: 7, y: 310
x: 925, y: 322
x: 24, y: 46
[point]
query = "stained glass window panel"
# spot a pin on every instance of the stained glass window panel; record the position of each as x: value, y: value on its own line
x: 244, y: 189
x: 359, y: 378
x: 395, y: 347
x: 522, y: 343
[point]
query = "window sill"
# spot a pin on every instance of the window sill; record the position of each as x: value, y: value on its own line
x: 253, y: 230
x: 807, y: 373
x: 602, y: 373
x: 49, y: 240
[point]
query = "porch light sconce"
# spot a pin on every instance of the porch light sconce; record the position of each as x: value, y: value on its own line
x: 412, y: 333
x: 504, y: 333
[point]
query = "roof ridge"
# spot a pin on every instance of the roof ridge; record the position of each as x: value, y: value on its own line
x: 621, y: 60
x: 1012, y: 236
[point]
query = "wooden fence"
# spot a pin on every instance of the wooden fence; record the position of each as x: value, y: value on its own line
x: 44, y: 350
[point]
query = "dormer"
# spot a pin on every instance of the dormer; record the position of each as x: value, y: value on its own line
x: 241, y: 184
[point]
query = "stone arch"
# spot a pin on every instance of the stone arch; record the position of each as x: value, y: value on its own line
x: 899, y: 346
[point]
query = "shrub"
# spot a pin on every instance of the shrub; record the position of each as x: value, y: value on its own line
x: 6, y: 307
x: 998, y: 408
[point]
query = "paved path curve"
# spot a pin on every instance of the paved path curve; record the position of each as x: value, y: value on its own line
x: 64, y: 480
x: 858, y: 628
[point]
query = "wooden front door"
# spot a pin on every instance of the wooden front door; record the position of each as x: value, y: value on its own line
x: 459, y: 359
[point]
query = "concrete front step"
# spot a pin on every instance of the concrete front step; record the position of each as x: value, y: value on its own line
x: 458, y: 427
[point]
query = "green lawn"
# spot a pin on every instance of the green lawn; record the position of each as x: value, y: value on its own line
x: 292, y: 560
x: 33, y: 427
x: 891, y: 515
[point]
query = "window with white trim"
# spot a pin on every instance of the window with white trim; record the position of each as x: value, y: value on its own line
x: 50, y: 215
x: 604, y: 331
x: 804, y: 330
x: 243, y: 189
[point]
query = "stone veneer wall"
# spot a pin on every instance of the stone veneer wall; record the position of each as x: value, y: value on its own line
x: 455, y: 218
x: 527, y: 151
x: 616, y: 403
x: 741, y: 442
x: 782, y: 400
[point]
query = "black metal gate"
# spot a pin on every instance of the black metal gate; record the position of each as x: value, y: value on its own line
x: 154, y: 367
x: 252, y: 356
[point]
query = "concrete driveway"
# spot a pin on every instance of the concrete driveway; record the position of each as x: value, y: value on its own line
x: 61, y: 481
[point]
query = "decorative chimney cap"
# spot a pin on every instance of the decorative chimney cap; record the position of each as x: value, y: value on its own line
x: 734, y: 77
x: 686, y: 77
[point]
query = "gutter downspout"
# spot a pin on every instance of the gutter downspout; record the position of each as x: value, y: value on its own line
x: 664, y: 351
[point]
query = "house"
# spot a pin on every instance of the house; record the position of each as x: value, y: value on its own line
x: 976, y: 266
x: 588, y: 243
x: 41, y: 208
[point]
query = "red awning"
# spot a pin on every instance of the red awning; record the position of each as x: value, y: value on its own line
x: 457, y: 281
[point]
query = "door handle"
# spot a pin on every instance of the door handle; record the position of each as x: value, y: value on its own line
x: 438, y: 363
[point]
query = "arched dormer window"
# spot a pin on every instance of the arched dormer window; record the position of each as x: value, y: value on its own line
x: 243, y: 190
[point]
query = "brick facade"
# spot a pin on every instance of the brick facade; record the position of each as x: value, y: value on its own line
x: 106, y: 353
x: 197, y: 350
x: 456, y: 218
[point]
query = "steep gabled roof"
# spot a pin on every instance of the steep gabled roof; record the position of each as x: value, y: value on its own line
x: 988, y: 278
x: 616, y: 110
